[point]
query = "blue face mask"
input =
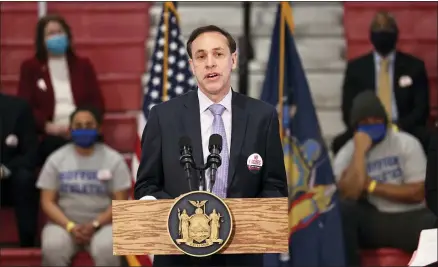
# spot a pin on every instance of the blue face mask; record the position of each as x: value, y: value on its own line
x: 84, y: 138
x: 376, y: 131
x: 57, y: 44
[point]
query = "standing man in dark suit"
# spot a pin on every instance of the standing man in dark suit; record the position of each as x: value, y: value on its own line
x: 247, y: 126
x: 18, y: 146
x: 399, y: 79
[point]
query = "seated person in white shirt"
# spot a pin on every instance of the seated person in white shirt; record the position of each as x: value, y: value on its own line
x: 380, y: 174
x: 78, y: 183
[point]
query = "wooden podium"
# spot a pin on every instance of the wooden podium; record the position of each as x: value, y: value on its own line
x: 260, y: 226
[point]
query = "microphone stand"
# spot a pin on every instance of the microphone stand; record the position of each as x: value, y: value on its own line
x: 201, y: 180
x: 189, y: 178
x: 188, y: 170
x: 213, y: 172
x: 201, y: 170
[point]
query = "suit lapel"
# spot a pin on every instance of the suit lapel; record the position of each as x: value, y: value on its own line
x: 397, y: 72
x: 192, y: 125
x: 370, y: 73
x: 239, y: 120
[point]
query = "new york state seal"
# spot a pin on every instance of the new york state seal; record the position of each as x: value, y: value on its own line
x: 200, y: 224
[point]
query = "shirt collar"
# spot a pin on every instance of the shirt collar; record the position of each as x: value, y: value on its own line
x: 205, y: 102
x: 378, y: 58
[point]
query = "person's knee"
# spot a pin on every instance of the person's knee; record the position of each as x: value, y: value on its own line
x: 102, y: 253
x: 101, y: 248
x: 56, y: 251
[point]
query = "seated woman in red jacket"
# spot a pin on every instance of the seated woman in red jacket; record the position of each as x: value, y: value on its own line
x: 55, y: 81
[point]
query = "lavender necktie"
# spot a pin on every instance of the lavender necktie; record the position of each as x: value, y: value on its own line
x: 220, y: 186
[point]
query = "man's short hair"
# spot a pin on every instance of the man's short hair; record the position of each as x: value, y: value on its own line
x: 210, y: 28
x: 383, y: 21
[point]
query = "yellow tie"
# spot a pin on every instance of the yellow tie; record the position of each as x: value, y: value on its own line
x: 384, y: 88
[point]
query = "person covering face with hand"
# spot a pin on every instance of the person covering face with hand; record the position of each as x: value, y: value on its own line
x: 398, y: 79
x: 380, y: 175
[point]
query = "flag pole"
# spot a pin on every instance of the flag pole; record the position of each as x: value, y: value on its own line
x: 245, y: 51
x: 281, y: 70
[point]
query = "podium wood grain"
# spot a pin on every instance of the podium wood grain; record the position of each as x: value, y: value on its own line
x: 260, y: 226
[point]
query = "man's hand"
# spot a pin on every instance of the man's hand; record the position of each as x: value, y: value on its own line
x: 87, y: 231
x: 362, y: 142
x: 78, y: 236
x: 4, y: 172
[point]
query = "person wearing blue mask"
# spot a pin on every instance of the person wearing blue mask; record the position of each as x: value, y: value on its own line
x: 55, y: 81
x: 399, y: 79
x: 380, y: 174
x: 78, y: 183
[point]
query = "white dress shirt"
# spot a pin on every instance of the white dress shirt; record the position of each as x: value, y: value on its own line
x: 206, y: 129
x: 207, y: 125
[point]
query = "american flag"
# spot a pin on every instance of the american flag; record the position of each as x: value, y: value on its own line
x: 168, y: 76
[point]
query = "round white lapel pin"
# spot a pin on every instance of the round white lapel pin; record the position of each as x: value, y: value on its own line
x: 11, y: 140
x: 405, y: 81
x: 254, y: 163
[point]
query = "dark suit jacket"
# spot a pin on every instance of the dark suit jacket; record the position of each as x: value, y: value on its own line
x: 255, y: 129
x: 412, y: 101
x: 16, y: 119
x: 84, y: 86
x: 431, y: 187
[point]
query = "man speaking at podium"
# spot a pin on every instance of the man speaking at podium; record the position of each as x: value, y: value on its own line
x: 249, y: 130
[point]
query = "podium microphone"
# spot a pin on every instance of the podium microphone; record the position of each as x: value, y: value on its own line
x: 214, y: 159
x: 186, y: 159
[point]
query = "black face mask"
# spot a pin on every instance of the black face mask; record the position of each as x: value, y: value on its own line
x: 384, y: 42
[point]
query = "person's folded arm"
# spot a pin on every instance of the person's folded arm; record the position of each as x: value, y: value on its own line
x: 150, y: 174
x: 274, y: 173
x: 27, y: 141
x: 420, y: 112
